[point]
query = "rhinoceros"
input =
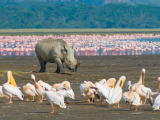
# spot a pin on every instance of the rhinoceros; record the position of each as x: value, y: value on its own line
x: 56, y: 51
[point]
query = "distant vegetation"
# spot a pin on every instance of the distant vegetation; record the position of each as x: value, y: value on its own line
x: 57, y: 15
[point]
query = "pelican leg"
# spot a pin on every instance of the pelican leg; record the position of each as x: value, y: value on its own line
x: 41, y: 99
x: 136, y: 108
x: 57, y: 109
x: 52, y: 109
x: 27, y: 98
x: 10, y: 101
x: 92, y: 100
x: 145, y: 101
x: 118, y: 105
x: 141, y: 100
x: 88, y: 100
x: 130, y: 107
x: 101, y: 101
x: 82, y: 97
x: 33, y: 98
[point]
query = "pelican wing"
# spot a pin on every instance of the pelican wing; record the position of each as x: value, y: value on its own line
x: 135, y: 99
x: 70, y: 93
x: 117, y: 94
x: 32, y: 88
x: 103, y: 90
x: 156, y: 103
x: 55, y: 98
x: 13, y: 90
x: 45, y: 85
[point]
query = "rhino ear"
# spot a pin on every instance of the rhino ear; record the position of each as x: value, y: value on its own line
x: 65, y: 48
x: 73, y: 46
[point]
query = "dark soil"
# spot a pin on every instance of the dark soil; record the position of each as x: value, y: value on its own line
x: 91, y: 69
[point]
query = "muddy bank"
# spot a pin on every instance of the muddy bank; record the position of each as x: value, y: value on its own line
x: 91, y: 69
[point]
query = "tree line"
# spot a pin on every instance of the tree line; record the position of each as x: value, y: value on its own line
x: 79, y: 16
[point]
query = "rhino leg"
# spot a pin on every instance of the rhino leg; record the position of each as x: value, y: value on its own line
x: 60, y: 66
x: 43, y: 65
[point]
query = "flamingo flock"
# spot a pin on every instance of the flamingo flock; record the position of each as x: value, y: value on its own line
x: 86, y: 45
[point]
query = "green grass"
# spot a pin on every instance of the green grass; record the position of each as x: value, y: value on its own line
x: 75, y: 31
x: 4, y: 72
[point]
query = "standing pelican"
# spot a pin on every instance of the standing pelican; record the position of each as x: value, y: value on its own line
x: 11, y: 90
x: 115, y: 94
x: 89, y: 91
x: 29, y: 90
x: 38, y: 88
x: 55, y: 99
x: 132, y: 97
x: 140, y: 88
x: 102, y: 90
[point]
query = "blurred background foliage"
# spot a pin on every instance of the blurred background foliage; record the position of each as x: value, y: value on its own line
x: 15, y: 14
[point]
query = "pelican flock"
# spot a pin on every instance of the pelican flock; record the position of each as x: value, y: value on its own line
x: 108, y: 91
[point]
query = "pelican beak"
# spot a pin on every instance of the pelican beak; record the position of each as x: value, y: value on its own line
x: 12, y: 81
x: 89, y: 85
x: 65, y: 85
x: 113, y: 82
x: 122, y: 82
x: 131, y: 94
x: 142, y: 77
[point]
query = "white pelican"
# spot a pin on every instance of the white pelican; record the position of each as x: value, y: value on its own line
x: 29, y: 90
x: 115, y: 94
x: 55, y: 99
x: 11, y: 90
x: 132, y: 97
x: 59, y: 86
x: 102, y: 90
x: 67, y: 94
x: 89, y: 92
x: 82, y: 86
x: 110, y: 82
x: 140, y: 88
x: 153, y: 97
x: 38, y: 88
x: 44, y: 85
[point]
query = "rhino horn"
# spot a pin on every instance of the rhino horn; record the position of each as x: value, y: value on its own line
x: 78, y: 64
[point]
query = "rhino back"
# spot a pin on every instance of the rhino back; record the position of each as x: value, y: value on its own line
x: 48, y: 49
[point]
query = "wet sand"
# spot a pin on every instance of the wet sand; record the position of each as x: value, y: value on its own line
x: 91, y: 69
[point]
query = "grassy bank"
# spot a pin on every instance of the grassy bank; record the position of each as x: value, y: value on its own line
x: 75, y: 31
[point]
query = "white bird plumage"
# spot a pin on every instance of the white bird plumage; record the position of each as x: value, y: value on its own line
x: 10, y: 90
x: 45, y: 85
x: 115, y: 94
x: 55, y: 99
